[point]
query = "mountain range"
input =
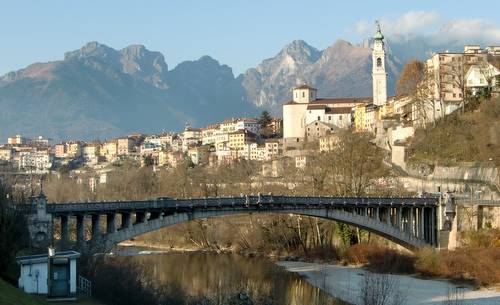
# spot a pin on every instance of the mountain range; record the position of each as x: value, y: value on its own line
x: 98, y: 92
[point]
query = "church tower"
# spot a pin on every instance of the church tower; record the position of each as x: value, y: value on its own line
x: 379, y: 75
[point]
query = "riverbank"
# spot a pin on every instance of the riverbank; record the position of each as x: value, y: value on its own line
x: 344, y: 282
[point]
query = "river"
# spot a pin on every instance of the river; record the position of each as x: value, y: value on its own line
x: 219, y: 276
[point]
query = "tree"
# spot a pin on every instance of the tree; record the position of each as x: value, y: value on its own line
x: 411, y: 76
x: 417, y: 83
x: 355, y: 163
x: 13, y: 230
x: 265, y: 119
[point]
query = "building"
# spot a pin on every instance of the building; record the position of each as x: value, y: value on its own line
x: 61, y: 150
x: 91, y: 152
x: 306, y: 108
x: 109, y: 150
x: 317, y: 129
x: 74, y: 149
x: 238, y: 140
x: 17, y: 140
x: 6, y: 153
x: 54, y: 276
x: 274, y: 148
x: 124, y: 146
x: 34, y: 159
x: 190, y: 137
x: 199, y: 154
x: 379, y: 75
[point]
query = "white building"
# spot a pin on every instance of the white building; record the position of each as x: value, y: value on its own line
x: 306, y: 108
x: 34, y: 274
x: 379, y: 74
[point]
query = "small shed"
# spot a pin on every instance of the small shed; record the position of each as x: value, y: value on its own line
x: 54, y: 275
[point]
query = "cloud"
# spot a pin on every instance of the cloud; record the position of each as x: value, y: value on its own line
x: 409, y: 22
x: 431, y: 25
x: 471, y: 29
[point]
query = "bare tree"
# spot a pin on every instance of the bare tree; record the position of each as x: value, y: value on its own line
x: 381, y: 289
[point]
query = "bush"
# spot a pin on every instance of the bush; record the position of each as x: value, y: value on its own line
x: 380, y: 259
x: 428, y: 261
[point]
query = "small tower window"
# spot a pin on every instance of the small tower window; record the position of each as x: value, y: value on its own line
x: 379, y: 62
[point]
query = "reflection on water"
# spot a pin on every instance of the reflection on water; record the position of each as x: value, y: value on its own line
x: 221, y: 275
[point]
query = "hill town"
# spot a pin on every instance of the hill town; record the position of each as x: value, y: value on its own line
x: 447, y: 83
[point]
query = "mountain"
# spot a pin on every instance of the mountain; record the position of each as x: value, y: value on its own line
x: 341, y: 70
x: 100, y: 92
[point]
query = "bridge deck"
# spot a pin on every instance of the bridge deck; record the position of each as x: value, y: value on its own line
x: 261, y: 201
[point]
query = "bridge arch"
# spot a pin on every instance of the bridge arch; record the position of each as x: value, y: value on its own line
x: 401, y: 237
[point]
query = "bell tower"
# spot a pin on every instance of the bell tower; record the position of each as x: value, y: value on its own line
x: 379, y: 76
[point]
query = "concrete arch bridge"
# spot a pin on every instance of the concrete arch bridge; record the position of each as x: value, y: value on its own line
x: 410, y: 222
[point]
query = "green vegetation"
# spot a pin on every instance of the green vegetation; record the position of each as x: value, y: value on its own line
x: 10, y: 295
x: 468, y: 137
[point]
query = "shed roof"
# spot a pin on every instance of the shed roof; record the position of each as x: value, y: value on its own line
x: 40, y: 258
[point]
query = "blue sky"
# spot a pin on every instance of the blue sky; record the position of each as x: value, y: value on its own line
x: 236, y: 32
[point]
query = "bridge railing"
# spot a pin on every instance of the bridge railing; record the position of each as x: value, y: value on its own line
x: 171, y: 203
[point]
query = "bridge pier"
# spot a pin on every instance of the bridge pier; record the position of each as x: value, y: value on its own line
x: 399, y: 211
x: 421, y: 223
x: 140, y: 217
x: 126, y: 220
x: 110, y: 223
x: 80, y: 235
x: 96, y: 222
x: 64, y: 232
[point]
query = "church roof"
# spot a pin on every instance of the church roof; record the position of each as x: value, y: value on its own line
x: 341, y: 100
x: 304, y: 86
x: 339, y: 110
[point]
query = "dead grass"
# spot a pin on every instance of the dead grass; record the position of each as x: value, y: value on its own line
x: 468, y: 137
x: 380, y: 259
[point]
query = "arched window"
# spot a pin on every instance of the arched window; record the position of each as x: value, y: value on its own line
x: 379, y: 62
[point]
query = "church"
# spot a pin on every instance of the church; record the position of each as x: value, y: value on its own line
x: 308, y: 117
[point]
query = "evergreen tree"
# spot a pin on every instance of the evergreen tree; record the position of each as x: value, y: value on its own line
x: 265, y: 119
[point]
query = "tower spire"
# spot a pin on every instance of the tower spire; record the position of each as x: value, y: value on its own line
x: 379, y: 74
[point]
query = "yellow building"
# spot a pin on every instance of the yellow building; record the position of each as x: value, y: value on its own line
x: 240, y: 138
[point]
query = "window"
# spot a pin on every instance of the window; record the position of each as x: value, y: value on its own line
x: 454, y: 95
x: 329, y: 118
x: 379, y: 62
x: 340, y: 118
x: 311, y: 95
x: 318, y: 118
x: 303, y: 94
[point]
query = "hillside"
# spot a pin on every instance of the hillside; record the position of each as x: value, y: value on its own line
x: 468, y: 137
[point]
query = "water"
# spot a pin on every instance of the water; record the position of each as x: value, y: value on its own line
x: 221, y: 275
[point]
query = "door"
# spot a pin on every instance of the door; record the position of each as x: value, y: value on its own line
x: 60, y: 280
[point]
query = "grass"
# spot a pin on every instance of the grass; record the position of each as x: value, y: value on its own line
x: 10, y: 295
x: 467, y: 137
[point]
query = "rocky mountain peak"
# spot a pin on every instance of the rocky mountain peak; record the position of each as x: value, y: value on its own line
x: 92, y: 49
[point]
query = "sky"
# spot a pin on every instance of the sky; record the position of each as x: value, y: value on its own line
x: 239, y: 33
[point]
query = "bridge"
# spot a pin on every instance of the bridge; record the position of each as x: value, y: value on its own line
x: 410, y: 222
